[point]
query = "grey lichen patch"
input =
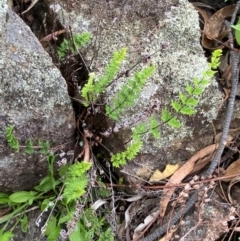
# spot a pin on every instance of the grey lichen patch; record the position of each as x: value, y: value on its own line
x: 29, y: 79
x: 3, y: 11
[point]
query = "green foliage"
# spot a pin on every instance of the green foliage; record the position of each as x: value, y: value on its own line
x: 11, y: 138
x: 188, y: 101
x: 237, y: 30
x: 90, y: 226
x: 91, y: 90
x: 69, y: 46
x: 73, y: 181
x: 29, y: 147
x: 44, y: 147
x: 122, y: 158
x: 76, y: 181
x: 185, y: 105
x: 129, y: 93
x: 7, y: 236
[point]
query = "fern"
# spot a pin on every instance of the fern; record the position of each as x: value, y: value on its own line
x: 29, y: 147
x: 120, y: 159
x: 185, y: 105
x: 78, y: 40
x: 76, y: 181
x: 129, y: 93
x: 11, y: 138
x: 91, y: 90
x: 88, y: 90
x: 44, y: 147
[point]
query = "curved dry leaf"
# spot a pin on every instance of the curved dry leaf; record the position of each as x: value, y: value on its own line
x: 233, y: 169
x: 127, y: 215
x: 214, y: 24
x: 141, y: 226
x: 134, y: 198
x: 96, y: 205
x: 213, y: 27
x: 168, y: 171
x: 234, y: 191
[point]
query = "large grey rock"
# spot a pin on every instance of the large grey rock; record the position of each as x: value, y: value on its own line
x: 33, y: 98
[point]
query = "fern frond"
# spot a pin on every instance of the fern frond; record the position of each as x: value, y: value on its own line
x: 11, y: 138
x: 166, y: 115
x: 110, y: 71
x: 29, y: 147
x: 76, y: 181
x: 78, y: 41
x: 129, y: 93
x: 138, y: 130
x: 88, y: 89
x: 174, y: 122
x: 154, y: 127
x: 75, y: 188
x: 122, y: 158
x: 91, y: 89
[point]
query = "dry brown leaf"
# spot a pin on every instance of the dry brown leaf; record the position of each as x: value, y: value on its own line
x: 213, y: 27
x: 181, y: 173
x: 232, y: 134
x: 234, y: 191
x: 201, y: 164
x: 233, y: 169
x: 158, y: 175
x: 214, y: 24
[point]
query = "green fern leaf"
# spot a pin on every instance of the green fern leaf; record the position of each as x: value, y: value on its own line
x: 186, y: 110
x: 196, y: 81
x: 176, y: 105
x: 120, y: 159
x: 192, y: 101
x: 76, y: 181
x: 182, y: 97
x: 205, y: 82
x: 165, y: 115
x: 138, y: 130
x: 29, y: 147
x: 81, y: 39
x: 189, y: 89
x: 154, y: 130
x: 174, y: 122
x: 111, y: 70
x: 197, y: 91
x: 126, y: 97
x: 209, y: 73
x: 88, y: 90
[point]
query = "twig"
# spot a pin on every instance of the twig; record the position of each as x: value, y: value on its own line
x: 31, y: 6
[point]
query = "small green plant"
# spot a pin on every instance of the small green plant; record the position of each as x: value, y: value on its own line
x: 129, y: 93
x: 69, y: 46
x: 185, y: 104
x: 11, y: 138
x: 73, y: 180
x: 93, y: 87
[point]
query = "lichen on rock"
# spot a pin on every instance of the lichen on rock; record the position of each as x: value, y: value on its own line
x: 33, y: 98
